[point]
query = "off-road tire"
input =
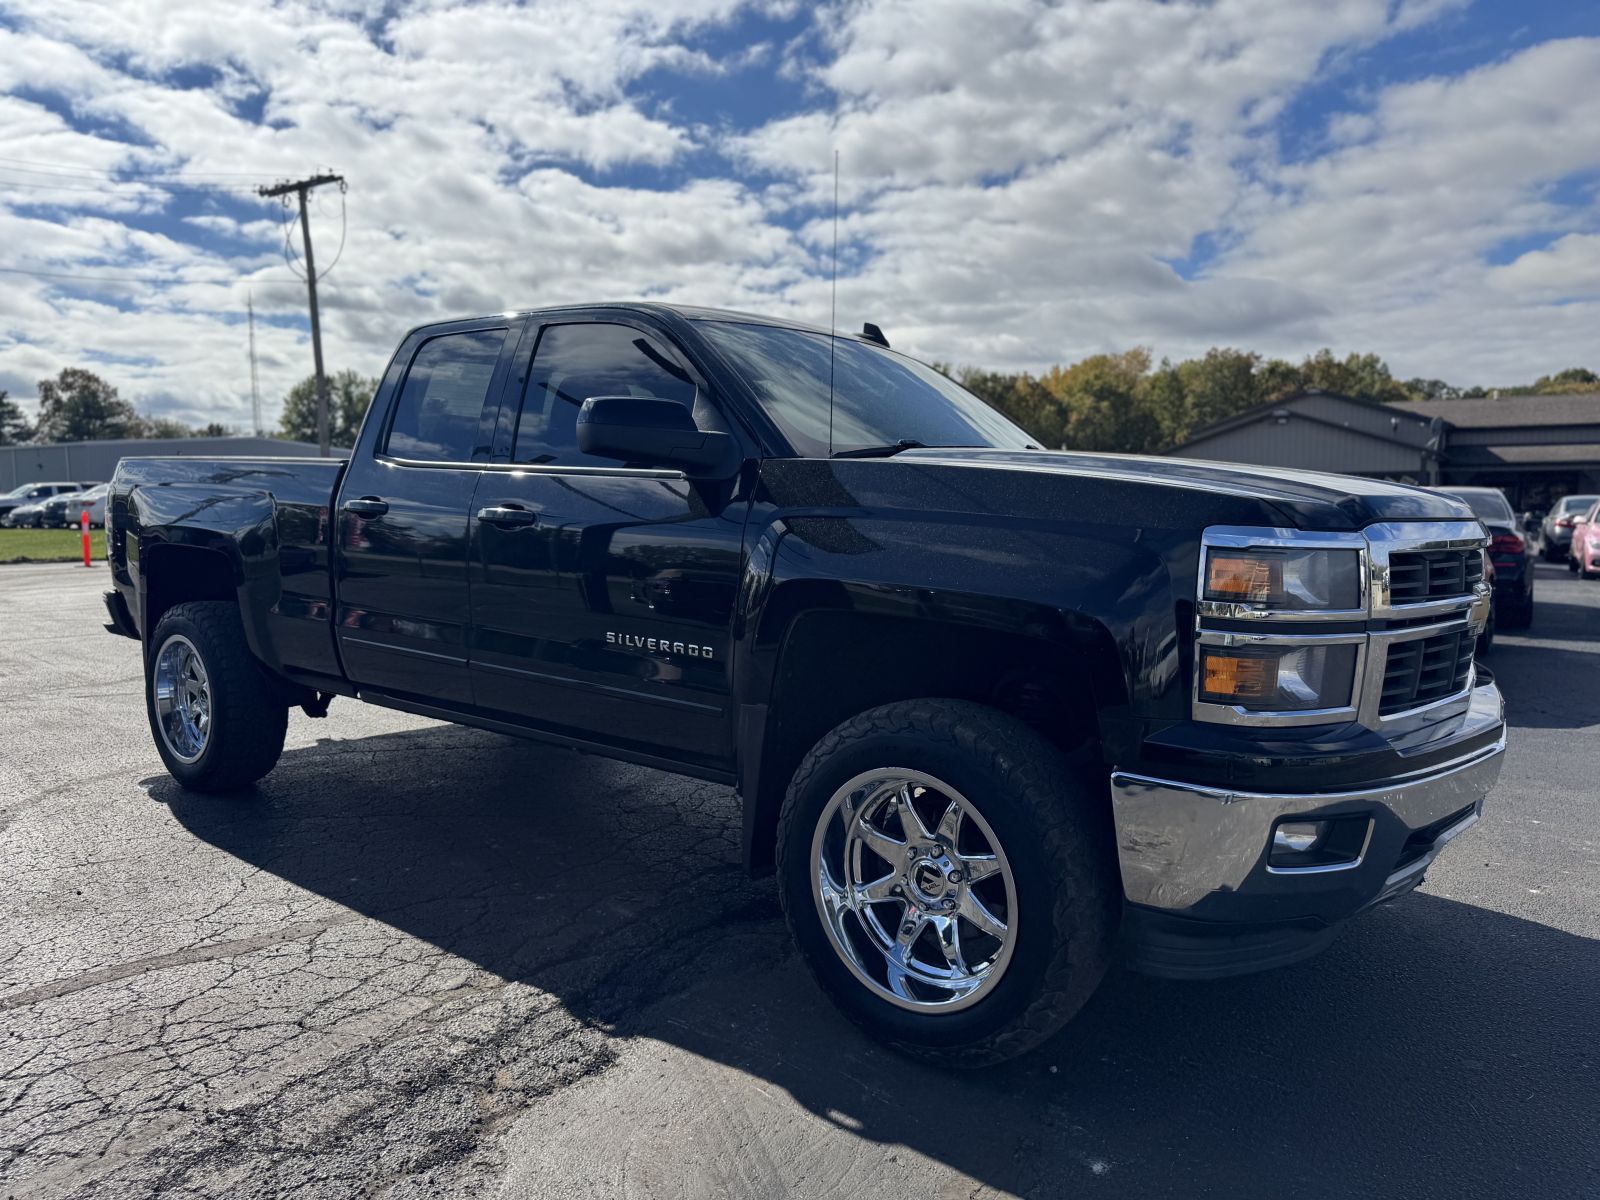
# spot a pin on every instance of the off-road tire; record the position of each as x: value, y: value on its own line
x: 248, y: 721
x: 1053, y: 818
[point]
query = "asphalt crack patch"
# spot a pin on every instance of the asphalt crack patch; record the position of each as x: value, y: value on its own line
x: 298, y: 931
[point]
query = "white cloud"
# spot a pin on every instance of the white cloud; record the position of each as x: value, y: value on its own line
x: 1568, y: 267
x: 1018, y: 177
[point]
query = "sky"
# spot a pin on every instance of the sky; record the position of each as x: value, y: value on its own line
x: 1020, y: 183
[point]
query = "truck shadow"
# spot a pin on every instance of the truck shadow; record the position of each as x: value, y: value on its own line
x: 1437, y: 1043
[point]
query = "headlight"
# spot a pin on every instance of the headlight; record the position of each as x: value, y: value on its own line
x: 1278, y: 679
x: 1294, y: 580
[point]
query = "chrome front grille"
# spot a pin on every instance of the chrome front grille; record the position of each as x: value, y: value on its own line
x: 1420, y: 575
x: 1426, y: 670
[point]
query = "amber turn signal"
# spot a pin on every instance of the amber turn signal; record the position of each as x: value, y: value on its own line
x: 1239, y: 577
x: 1231, y: 677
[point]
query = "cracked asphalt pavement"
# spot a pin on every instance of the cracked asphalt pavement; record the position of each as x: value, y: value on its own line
x: 421, y: 960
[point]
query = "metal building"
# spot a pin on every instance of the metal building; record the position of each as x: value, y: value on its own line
x: 94, y: 462
x: 1535, y: 448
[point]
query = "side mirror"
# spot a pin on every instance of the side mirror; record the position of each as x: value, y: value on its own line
x: 643, y: 431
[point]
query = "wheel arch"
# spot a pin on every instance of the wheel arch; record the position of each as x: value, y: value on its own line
x: 1057, y: 672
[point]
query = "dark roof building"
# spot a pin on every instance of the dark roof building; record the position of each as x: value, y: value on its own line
x: 95, y: 462
x: 1535, y: 448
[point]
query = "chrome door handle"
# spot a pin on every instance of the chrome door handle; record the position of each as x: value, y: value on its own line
x: 367, y: 506
x: 507, y: 516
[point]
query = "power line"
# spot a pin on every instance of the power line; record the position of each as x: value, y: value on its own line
x: 109, y: 186
x: 146, y: 278
x: 34, y: 167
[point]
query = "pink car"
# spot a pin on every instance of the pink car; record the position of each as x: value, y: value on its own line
x: 1585, y: 554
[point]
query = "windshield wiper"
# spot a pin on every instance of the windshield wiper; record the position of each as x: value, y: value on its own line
x: 887, y: 450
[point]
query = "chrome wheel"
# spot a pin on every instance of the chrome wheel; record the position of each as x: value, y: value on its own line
x: 914, y: 890
x: 183, y: 698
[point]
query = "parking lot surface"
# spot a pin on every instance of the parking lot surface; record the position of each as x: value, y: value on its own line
x: 421, y: 960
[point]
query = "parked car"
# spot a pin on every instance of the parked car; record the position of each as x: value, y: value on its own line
x: 1584, y: 555
x: 1508, y: 549
x: 997, y: 716
x: 66, y: 510
x: 26, y: 516
x: 29, y: 494
x: 1558, y: 522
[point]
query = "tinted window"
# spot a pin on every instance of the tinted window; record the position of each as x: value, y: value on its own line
x: 441, y: 405
x: 1577, y: 503
x: 879, y: 396
x: 575, y: 362
x: 1486, y: 506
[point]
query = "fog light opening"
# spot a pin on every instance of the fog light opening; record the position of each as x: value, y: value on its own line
x: 1328, y: 844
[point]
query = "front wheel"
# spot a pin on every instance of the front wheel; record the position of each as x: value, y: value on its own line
x: 216, y: 722
x: 949, y: 879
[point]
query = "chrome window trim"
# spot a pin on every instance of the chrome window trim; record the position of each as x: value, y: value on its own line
x: 1467, y: 612
x: 534, y: 468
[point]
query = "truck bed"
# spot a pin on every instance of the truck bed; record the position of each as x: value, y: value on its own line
x: 269, y: 518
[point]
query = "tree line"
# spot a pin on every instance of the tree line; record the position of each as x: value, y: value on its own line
x: 1112, y: 402
x: 79, y: 406
x: 1130, y: 404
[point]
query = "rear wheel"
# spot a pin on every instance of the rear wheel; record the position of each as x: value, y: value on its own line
x: 216, y: 722
x: 948, y: 879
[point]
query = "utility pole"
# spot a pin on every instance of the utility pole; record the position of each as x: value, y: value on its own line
x: 255, y: 385
x: 301, y: 187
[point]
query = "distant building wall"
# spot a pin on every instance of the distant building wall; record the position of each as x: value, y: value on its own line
x: 1304, y: 446
x: 94, y: 462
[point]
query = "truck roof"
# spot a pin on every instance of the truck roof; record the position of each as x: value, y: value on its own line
x: 684, y: 312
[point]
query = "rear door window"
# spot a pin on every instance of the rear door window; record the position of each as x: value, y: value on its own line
x: 439, y: 416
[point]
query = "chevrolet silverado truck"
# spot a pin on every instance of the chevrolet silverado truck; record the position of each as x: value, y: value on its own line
x: 996, y: 716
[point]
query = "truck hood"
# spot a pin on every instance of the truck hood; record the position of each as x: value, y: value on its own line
x: 1308, y: 499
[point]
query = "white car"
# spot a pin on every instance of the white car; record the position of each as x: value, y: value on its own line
x: 64, y: 512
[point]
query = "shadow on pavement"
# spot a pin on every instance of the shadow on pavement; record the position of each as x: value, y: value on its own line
x: 1437, y: 1050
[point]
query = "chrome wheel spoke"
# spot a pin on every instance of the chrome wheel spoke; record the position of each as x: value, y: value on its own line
x: 949, y: 828
x: 977, y: 867
x: 880, y: 843
x: 879, y: 890
x: 949, y: 934
x: 977, y: 912
x: 910, y: 819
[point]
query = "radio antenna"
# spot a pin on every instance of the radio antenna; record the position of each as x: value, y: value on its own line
x: 833, y: 300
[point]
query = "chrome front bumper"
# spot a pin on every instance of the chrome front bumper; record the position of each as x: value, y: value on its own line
x: 1190, y: 849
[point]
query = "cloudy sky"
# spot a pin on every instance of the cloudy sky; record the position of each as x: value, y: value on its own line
x: 1021, y: 183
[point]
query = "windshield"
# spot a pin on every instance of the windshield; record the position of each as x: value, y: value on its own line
x: 1574, y: 504
x: 1485, y: 505
x: 18, y: 492
x: 879, y: 397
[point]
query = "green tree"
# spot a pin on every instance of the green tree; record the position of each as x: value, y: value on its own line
x: 165, y: 427
x: 1431, y: 389
x: 14, y: 427
x: 1361, y: 376
x: 1106, y: 398
x: 79, y: 406
x: 1220, y: 385
x: 349, y: 394
x: 1573, y: 379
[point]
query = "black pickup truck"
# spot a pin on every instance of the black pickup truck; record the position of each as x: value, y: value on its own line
x: 996, y: 715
